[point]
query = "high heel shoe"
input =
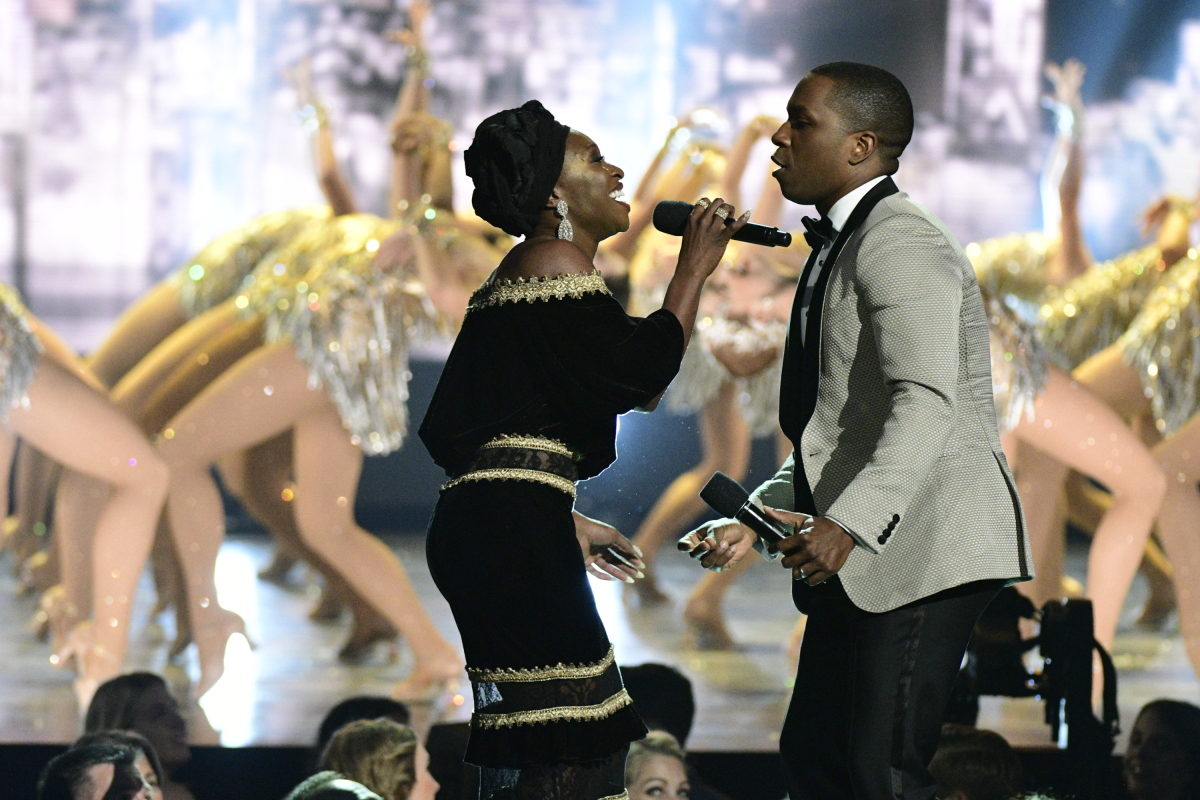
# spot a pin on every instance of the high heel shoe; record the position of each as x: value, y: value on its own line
x: 38, y: 573
x: 365, y: 636
x: 646, y: 591
x: 211, y: 637
x: 94, y: 663
x: 279, y: 570
x: 55, y: 617
x: 183, y: 633
x: 328, y: 608
x: 427, y: 684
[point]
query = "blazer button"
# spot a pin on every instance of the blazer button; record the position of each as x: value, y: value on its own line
x: 882, y: 539
x: 895, y: 517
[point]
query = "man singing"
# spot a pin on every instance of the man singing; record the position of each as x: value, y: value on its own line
x: 905, y: 517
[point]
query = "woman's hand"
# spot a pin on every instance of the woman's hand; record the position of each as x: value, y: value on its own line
x: 607, y: 554
x: 719, y: 546
x: 709, y: 228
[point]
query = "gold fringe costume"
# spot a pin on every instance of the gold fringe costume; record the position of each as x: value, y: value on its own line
x: 219, y: 270
x: 19, y: 350
x: 1163, y: 345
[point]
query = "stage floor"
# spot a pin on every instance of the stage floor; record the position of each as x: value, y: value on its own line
x: 278, y: 694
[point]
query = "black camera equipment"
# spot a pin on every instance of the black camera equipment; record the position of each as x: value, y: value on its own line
x: 995, y: 665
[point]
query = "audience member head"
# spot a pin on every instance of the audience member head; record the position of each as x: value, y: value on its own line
x: 384, y: 756
x: 99, y: 771
x: 972, y: 764
x: 147, y: 761
x: 352, y: 709
x: 656, y: 768
x: 663, y: 698
x: 329, y: 785
x: 141, y: 702
x: 1163, y: 758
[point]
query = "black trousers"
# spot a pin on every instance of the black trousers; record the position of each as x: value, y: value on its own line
x: 871, y: 693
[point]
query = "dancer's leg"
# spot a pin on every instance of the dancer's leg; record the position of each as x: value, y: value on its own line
x: 146, y: 323
x: 1040, y: 479
x: 327, y: 470
x: 35, y: 479
x: 79, y: 428
x: 264, y: 394
x: 1107, y: 376
x: 133, y: 391
x: 1179, y: 457
x: 1078, y: 429
x: 725, y: 442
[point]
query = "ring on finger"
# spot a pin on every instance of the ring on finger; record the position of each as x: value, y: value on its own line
x: 722, y: 213
x: 704, y: 202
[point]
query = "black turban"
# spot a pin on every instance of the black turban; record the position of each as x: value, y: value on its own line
x: 515, y: 162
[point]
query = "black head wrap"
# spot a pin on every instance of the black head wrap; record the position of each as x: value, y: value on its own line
x: 515, y: 162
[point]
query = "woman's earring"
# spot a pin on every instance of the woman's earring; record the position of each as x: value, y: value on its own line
x: 565, y: 231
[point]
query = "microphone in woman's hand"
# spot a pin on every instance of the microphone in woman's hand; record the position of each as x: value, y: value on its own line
x: 670, y: 216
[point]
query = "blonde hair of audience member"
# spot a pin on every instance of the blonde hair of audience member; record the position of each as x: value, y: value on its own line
x: 384, y: 756
x: 656, y: 767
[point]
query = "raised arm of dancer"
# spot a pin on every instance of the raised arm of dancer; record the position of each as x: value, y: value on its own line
x: 1062, y: 178
x: 739, y: 156
x: 412, y: 174
x: 1173, y: 216
x: 645, y: 197
x: 329, y: 174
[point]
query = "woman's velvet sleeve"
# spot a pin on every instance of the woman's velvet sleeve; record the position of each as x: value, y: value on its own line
x: 592, y: 358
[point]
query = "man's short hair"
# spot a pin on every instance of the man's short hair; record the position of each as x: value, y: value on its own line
x: 67, y: 775
x: 871, y: 99
x: 978, y: 763
x: 663, y: 698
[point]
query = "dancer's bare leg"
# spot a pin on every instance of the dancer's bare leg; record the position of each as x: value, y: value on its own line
x: 1080, y: 430
x: 79, y: 428
x: 1179, y: 457
x: 145, y: 324
x: 1040, y: 479
x: 705, y: 606
x: 133, y: 391
x: 1107, y: 376
x: 263, y: 395
x: 725, y: 442
x: 258, y: 479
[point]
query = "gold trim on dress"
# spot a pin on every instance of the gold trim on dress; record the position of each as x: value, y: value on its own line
x: 508, y: 474
x: 557, y: 714
x: 622, y: 796
x: 530, y: 443
x: 558, y: 672
x: 496, y: 292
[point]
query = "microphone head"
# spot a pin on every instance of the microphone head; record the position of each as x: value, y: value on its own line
x: 724, y: 495
x: 670, y: 216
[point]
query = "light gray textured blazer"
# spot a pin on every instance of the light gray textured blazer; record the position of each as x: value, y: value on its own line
x: 902, y: 447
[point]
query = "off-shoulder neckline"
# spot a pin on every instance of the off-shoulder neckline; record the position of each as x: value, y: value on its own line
x: 497, y: 291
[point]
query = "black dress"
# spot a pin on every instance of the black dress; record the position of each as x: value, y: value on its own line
x: 526, y: 405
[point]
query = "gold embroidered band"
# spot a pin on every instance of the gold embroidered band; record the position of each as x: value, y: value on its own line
x: 530, y: 443
x: 558, y: 672
x: 558, y: 714
x: 504, y: 474
x: 497, y: 292
x: 622, y: 796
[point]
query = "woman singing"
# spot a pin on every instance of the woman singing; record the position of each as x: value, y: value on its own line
x: 526, y: 406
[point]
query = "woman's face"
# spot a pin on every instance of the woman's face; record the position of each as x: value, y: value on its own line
x: 156, y: 716
x: 1156, y: 764
x: 149, y: 776
x: 425, y: 787
x: 660, y: 777
x: 592, y: 188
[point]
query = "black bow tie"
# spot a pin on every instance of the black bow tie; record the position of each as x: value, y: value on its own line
x: 818, y: 231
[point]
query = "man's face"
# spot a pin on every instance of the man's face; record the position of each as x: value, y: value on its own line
x: 814, y: 148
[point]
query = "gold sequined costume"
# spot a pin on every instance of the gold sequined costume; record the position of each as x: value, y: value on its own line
x: 701, y: 375
x: 218, y: 271
x: 1092, y: 311
x: 1163, y: 345
x: 19, y: 350
x: 1019, y: 364
x: 1011, y: 266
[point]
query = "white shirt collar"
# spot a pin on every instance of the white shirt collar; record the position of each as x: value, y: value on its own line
x: 844, y: 207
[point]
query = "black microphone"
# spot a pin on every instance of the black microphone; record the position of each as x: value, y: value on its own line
x: 670, y: 216
x: 727, y: 497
